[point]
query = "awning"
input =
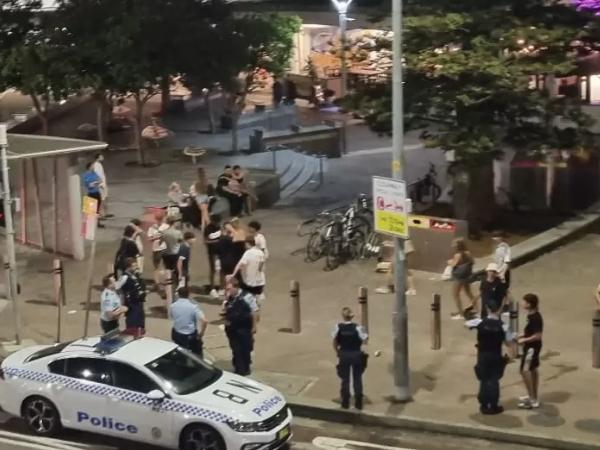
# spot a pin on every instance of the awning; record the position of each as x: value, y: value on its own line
x: 22, y: 146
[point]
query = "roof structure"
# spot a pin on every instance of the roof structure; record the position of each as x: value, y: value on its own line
x: 22, y: 146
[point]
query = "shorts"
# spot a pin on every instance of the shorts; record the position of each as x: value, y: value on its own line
x: 530, y: 360
x: 157, y: 258
x: 170, y: 261
x: 254, y: 290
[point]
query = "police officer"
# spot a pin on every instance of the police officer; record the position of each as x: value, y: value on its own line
x: 189, y: 322
x: 240, y: 312
x: 348, y: 337
x: 490, y: 362
x: 133, y: 289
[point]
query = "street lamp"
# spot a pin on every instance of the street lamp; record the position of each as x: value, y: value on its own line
x: 342, y: 9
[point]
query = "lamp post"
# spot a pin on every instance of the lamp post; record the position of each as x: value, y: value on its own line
x: 342, y: 9
x: 400, y: 315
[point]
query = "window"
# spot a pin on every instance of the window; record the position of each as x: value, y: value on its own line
x: 58, y: 366
x: 126, y: 377
x: 89, y: 369
x: 49, y: 351
x: 183, y: 372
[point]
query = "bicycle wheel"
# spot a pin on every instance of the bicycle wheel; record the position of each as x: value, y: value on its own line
x: 332, y: 254
x: 356, y: 243
x: 315, y: 247
x: 361, y: 223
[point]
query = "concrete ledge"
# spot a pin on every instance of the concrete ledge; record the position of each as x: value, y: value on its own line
x: 327, y: 411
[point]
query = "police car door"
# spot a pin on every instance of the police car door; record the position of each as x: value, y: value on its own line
x: 81, y: 397
x: 146, y: 417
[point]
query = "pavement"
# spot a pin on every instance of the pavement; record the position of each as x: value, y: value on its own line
x: 302, y: 366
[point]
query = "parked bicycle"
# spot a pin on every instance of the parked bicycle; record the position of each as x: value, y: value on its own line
x: 426, y: 191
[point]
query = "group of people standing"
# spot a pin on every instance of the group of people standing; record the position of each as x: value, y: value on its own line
x: 488, y: 313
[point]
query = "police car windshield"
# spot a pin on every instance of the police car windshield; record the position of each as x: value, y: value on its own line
x: 183, y: 372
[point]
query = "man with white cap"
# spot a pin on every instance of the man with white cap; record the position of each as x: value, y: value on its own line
x: 492, y: 291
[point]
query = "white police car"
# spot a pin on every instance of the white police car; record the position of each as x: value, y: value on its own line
x: 142, y: 389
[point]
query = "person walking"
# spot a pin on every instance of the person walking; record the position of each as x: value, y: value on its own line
x: 136, y: 224
x: 158, y: 246
x: 348, y: 338
x: 128, y: 248
x: 490, y: 361
x: 111, y: 309
x: 240, y: 314
x: 531, y: 339
x: 92, y: 183
x: 251, y: 268
x: 183, y: 259
x: 462, y: 269
x: 189, y: 322
x: 98, y: 167
x: 133, y: 289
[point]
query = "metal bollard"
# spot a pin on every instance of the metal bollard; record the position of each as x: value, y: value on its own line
x: 58, y: 294
x: 596, y: 340
x: 295, y: 297
x: 363, y: 301
x: 436, y: 323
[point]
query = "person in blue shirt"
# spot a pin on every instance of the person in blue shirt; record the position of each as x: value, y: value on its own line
x: 111, y: 308
x: 189, y: 322
x: 92, y: 183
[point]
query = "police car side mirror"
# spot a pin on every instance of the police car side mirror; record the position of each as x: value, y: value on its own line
x: 156, y: 396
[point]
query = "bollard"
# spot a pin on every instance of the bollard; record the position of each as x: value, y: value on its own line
x: 514, y: 326
x: 596, y: 340
x: 295, y: 297
x: 436, y: 323
x: 58, y: 291
x: 363, y: 301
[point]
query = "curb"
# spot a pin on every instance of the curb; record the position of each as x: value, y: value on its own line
x: 321, y: 410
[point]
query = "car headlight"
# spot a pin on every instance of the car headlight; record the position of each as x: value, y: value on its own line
x: 245, y: 427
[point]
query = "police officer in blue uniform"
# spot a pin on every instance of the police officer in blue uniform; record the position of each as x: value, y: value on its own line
x: 133, y: 289
x: 240, y: 312
x: 348, y: 337
x: 189, y: 322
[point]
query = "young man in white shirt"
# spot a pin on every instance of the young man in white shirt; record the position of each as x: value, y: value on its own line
x: 502, y: 257
x: 98, y: 167
x: 251, y: 267
x: 158, y: 246
x: 259, y: 238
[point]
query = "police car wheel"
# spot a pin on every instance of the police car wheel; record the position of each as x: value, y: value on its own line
x: 41, y: 416
x: 200, y: 437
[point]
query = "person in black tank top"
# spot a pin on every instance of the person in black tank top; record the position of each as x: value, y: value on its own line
x: 348, y: 337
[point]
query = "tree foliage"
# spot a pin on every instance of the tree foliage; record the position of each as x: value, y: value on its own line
x: 467, y: 66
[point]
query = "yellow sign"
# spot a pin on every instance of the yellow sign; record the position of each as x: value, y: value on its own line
x: 90, y: 206
x: 389, y: 206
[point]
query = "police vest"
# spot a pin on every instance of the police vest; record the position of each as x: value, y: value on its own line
x: 348, y: 338
x: 238, y: 314
x: 134, y: 290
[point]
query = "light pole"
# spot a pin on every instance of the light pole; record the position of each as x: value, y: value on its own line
x: 342, y: 9
x: 400, y: 315
x: 11, y: 288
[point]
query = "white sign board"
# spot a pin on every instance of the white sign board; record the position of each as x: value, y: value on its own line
x: 389, y: 207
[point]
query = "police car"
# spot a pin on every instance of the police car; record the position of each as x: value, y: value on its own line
x: 143, y: 389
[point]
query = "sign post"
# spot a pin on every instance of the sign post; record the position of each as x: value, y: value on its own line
x: 389, y: 206
x: 90, y: 222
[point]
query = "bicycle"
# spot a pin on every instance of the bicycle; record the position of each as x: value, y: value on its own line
x: 426, y: 191
x: 342, y: 242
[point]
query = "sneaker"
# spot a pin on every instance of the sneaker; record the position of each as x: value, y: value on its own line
x: 214, y: 294
x: 383, y: 290
x: 525, y: 404
x: 523, y: 398
x: 456, y: 316
x: 411, y: 292
x: 535, y: 404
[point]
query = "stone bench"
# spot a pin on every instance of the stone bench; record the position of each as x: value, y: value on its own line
x: 326, y: 140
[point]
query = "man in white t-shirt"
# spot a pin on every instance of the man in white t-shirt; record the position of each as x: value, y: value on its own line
x: 502, y: 257
x: 158, y: 246
x: 251, y: 267
x: 98, y: 168
x: 259, y: 238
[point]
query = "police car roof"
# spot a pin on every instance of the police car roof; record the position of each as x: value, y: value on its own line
x: 138, y: 351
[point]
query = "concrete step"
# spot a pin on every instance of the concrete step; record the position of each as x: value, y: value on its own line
x: 310, y: 170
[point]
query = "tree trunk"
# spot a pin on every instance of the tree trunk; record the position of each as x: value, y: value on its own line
x: 100, y: 119
x: 42, y: 115
x: 165, y: 93
x: 45, y: 123
x: 474, y: 196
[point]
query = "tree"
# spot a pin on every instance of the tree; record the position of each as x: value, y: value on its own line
x: 35, y: 65
x: 468, y: 66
